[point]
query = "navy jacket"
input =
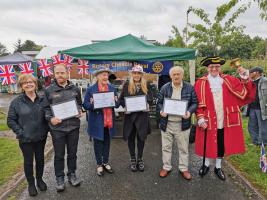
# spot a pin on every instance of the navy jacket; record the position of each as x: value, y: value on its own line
x: 96, y: 117
x: 188, y: 93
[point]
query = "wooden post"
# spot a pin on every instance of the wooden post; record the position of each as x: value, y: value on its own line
x: 192, y: 71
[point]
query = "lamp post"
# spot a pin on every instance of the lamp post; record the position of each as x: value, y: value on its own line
x: 186, y: 37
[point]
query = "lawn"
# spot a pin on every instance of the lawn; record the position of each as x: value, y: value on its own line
x: 11, y: 160
x: 248, y: 164
x: 3, y: 125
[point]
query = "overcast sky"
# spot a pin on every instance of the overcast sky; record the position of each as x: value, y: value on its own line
x: 71, y: 23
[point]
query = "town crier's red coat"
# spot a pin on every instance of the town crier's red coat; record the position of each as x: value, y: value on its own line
x: 235, y: 94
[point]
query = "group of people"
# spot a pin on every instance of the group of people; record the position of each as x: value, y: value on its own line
x: 216, y: 99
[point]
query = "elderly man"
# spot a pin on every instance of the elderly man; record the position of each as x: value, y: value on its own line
x: 176, y: 127
x: 220, y: 97
x: 65, y: 133
x: 257, y: 110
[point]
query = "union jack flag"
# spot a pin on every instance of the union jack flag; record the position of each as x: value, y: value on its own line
x: 68, y: 61
x: 26, y: 68
x: 83, y: 67
x: 263, y: 162
x: 7, y: 74
x: 45, y: 67
x: 57, y: 59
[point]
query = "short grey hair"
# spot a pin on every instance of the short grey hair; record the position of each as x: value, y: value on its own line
x: 176, y: 68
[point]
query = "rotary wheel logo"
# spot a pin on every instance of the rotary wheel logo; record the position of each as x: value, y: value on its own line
x: 157, y: 67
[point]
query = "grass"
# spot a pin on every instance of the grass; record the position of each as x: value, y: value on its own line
x: 11, y: 160
x: 3, y: 125
x: 248, y: 164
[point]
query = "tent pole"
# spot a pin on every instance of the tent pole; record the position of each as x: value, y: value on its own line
x: 192, y: 71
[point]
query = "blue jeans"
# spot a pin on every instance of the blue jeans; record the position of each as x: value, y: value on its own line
x: 257, y: 127
x: 101, y: 148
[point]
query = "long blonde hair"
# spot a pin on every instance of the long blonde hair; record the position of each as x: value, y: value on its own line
x: 132, y: 87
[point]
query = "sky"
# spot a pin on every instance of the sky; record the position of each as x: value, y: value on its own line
x: 72, y: 23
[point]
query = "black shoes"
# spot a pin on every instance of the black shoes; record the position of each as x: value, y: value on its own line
x: 219, y: 172
x: 41, y: 184
x: 140, y: 165
x: 73, y: 180
x: 108, y: 168
x: 60, y: 184
x: 203, y: 170
x: 133, y: 165
x: 32, y: 190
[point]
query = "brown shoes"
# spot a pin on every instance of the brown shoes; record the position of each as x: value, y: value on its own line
x: 186, y: 175
x: 163, y: 173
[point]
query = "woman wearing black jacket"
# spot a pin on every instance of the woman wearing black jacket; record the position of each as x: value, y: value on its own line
x: 136, y: 124
x: 27, y: 120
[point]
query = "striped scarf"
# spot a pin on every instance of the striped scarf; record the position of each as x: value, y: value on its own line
x: 107, y: 111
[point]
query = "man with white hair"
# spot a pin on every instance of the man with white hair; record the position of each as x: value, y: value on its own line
x: 176, y: 127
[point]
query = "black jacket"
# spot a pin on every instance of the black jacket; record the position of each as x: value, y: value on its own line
x: 27, y: 118
x: 188, y: 93
x: 56, y: 94
x: 138, y: 120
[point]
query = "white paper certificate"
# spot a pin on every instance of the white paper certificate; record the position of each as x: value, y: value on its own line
x: 135, y: 103
x: 174, y: 107
x: 65, y: 110
x: 103, y: 100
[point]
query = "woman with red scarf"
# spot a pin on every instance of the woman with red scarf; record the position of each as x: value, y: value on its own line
x: 101, y: 121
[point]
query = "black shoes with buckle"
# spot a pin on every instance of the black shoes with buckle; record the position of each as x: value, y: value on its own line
x: 203, y: 170
x: 220, y: 174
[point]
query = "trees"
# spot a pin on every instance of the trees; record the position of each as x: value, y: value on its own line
x: 3, y: 50
x: 177, y: 40
x: 28, y: 45
x: 214, y: 33
x: 263, y: 6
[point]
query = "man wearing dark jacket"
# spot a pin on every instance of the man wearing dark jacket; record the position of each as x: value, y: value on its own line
x: 65, y: 133
x: 176, y: 127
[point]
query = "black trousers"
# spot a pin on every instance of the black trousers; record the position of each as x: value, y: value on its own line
x: 102, y: 148
x: 30, y: 150
x: 131, y: 144
x: 220, y: 142
x: 61, y: 140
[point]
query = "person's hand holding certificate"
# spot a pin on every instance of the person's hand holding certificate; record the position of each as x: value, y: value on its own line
x: 175, y: 107
x: 103, y: 100
x: 135, y: 103
x: 65, y: 110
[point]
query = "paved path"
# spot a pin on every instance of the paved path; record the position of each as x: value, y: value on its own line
x: 125, y: 184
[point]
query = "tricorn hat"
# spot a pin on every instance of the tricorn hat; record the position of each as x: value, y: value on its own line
x: 212, y: 60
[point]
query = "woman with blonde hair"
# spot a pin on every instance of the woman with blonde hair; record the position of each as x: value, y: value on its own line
x: 136, y: 124
x: 26, y: 118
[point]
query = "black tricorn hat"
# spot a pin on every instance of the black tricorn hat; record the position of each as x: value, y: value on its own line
x: 212, y: 60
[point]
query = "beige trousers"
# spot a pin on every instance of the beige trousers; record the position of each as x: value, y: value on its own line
x: 173, y: 132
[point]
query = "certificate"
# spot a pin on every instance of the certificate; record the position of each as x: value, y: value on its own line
x: 65, y: 110
x: 175, y: 106
x: 135, y: 103
x: 103, y: 100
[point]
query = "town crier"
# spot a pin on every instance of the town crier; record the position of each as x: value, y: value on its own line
x: 220, y: 97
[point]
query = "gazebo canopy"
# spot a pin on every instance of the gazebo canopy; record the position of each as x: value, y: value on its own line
x: 15, y: 58
x: 129, y: 48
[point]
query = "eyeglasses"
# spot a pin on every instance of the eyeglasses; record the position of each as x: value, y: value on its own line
x: 28, y: 82
x: 214, y: 66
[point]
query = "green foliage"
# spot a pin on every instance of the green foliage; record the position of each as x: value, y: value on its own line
x: 248, y: 163
x: 214, y: 33
x: 3, y: 50
x: 3, y: 125
x: 28, y: 45
x: 177, y: 40
x: 263, y: 6
x: 10, y: 159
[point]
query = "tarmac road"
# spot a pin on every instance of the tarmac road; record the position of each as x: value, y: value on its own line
x: 124, y: 184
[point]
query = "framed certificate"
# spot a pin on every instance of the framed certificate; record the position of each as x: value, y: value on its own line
x: 175, y: 106
x: 135, y: 103
x: 103, y: 100
x: 65, y: 110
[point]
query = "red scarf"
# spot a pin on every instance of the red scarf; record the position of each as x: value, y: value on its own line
x: 107, y: 111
